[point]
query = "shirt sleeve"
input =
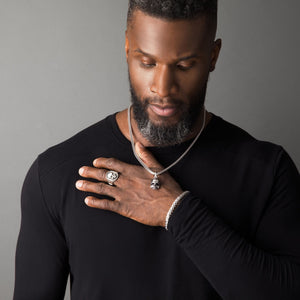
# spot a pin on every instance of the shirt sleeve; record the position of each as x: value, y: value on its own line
x: 267, y: 268
x: 41, y: 266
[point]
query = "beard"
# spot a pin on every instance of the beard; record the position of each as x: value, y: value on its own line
x: 163, y: 135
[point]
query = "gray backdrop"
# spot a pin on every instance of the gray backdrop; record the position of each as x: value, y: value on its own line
x: 63, y: 68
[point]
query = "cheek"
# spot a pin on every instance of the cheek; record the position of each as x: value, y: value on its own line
x: 193, y: 82
x: 140, y: 79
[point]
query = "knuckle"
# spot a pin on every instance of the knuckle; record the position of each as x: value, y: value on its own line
x: 106, y: 204
x: 117, y: 196
x: 116, y: 206
x: 126, y: 211
x: 101, y: 174
x: 100, y: 188
x: 110, y: 162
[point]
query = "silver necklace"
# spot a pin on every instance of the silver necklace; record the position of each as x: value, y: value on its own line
x: 155, y: 184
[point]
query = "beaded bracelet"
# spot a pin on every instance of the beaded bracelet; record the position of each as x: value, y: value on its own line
x: 173, y: 206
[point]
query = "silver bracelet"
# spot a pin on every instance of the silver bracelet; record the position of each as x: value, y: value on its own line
x: 173, y: 206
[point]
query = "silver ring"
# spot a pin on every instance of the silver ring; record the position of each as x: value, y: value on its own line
x: 111, y: 177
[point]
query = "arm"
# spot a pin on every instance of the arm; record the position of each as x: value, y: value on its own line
x: 41, y: 269
x: 269, y: 268
x: 263, y: 269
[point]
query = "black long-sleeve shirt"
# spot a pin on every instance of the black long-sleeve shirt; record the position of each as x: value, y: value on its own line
x: 235, y: 236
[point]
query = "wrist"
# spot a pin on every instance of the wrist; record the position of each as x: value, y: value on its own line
x: 174, y: 205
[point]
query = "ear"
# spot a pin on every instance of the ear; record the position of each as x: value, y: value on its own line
x: 126, y: 45
x: 215, y: 54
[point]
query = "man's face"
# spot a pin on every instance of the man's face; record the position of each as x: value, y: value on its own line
x: 169, y: 64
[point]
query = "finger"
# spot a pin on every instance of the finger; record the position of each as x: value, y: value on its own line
x: 99, y: 174
x: 147, y: 157
x: 97, y: 188
x: 90, y: 172
x: 102, y: 204
x: 110, y: 164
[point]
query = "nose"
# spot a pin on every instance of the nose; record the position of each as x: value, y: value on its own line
x: 164, y: 83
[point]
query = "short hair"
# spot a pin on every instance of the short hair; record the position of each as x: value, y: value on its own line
x: 175, y: 9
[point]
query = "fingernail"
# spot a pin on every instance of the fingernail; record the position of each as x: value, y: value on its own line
x: 138, y: 148
x: 79, y: 183
x: 86, y: 200
x: 81, y: 170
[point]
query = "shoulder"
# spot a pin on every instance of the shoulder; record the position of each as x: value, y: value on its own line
x: 78, y: 145
x: 238, y: 142
x: 235, y: 145
x: 53, y: 174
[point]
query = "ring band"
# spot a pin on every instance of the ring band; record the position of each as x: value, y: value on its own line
x: 111, y: 177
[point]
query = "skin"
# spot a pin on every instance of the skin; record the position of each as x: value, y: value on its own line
x: 166, y: 60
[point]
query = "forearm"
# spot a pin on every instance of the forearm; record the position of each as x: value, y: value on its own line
x: 236, y: 268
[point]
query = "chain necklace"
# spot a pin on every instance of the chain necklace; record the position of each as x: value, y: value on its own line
x: 155, y: 184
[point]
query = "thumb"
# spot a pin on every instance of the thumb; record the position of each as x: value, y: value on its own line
x: 147, y: 157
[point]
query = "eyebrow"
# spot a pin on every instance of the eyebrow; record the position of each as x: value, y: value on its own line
x: 152, y: 56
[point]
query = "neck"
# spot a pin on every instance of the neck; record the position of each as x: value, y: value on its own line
x: 122, y: 122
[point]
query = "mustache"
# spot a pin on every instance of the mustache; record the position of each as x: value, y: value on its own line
x: 161, y: 102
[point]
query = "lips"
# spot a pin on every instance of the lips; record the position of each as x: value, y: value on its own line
x: 164, y: 111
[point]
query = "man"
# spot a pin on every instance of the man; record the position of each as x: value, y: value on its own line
x: 179, y: 203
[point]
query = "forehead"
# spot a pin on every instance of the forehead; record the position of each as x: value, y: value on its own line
x: 161, y: 37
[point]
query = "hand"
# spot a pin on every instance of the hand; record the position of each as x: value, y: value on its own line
x: 132, y: 193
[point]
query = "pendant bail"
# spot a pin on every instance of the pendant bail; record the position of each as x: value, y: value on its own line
x: 155, y: 184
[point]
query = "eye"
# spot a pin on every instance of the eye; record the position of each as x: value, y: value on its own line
x: 147, y: 65
x: 185, y: 67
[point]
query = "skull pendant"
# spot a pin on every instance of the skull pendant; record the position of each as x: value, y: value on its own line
x: 155, y: 184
